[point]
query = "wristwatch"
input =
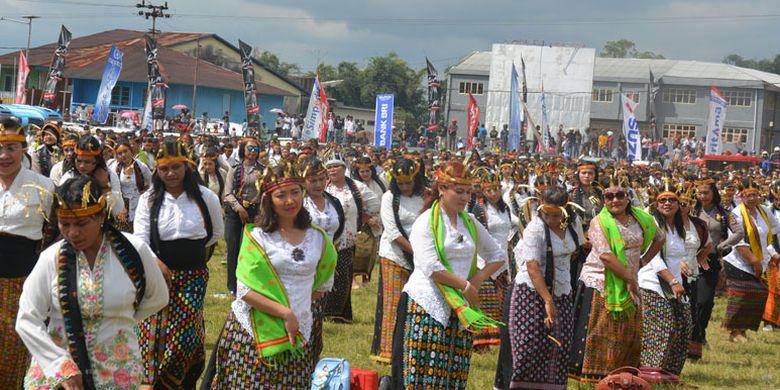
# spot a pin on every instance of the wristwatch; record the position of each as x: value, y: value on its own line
x: 674, y: 282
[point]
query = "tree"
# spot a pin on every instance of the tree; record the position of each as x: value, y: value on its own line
x: 624, y: 48
x: 273, y: 62
x: 765, y: 64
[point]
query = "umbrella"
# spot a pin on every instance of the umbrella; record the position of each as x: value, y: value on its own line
x: 179, y: 107
x: 128, y: 114
x: 277, y: 111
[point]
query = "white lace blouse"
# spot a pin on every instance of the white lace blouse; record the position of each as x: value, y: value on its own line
x: 532, y: 247
x: 674, y: 252
x: 297, y: 276
x: 327, y: 219
x: 408, y: 210
x: 459, y: 248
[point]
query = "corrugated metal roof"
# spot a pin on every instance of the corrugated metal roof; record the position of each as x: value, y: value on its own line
x: 477, y: 62
x: 630, y: 70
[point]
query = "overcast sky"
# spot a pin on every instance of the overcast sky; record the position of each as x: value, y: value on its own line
x: 330, y: 31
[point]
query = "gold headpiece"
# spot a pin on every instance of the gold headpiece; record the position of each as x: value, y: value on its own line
x: 6, y: 134
x: 269, y: 181
x: 64, y: 211
x: 167, y: 157
x: 453, y: 172
x: 399, y: 174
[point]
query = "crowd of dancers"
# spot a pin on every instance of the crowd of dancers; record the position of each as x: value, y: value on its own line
x: 570, y: 268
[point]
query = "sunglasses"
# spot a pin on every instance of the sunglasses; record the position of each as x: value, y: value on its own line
x: 666, y: 200
x: 620, y: 195
x: 253, y: 148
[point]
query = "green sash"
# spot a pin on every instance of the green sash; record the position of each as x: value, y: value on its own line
x: 471, y: 318
x: 616, y: 294
x: 256, y: 272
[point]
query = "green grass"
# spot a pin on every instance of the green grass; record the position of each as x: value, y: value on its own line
x: 753, y: 365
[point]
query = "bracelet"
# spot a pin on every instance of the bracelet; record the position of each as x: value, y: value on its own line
x: 468, y: 285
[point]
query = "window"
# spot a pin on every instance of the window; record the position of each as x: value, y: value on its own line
x: 473, y: 87
x: 120, y: 96
x: 739, y: 98
x: 671, y: 131
x: 735, y: 135
x: 633, y: 96
x: 602, y: 95
x: 9, y: 81
x: 677, y: 95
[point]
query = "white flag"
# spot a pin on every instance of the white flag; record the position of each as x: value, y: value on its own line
x: 631, y: 129
x: 715, y: 121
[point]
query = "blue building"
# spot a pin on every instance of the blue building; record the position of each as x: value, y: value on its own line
x: 202, y: 72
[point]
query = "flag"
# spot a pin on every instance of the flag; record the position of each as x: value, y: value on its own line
x: 57, y: 68
x: 383, y: 119
x: 715, y: 121
x: 433, y: 97
x: 473, y: 121
x: 110, y: 76
x: 21, y: 80
x: 532, y: 125
x: 545, y: 124
x: 157, y: 85
x: 515, y: 114
x: 631, y: 129
x: 654, y: 89
x: 525, y: 84
x: 250, y: 94
x: 316, y: 125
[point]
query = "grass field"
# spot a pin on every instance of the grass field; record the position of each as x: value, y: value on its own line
x: 753, y: 365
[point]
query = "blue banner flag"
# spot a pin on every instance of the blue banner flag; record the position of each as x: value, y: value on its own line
x: 383, y: 121
x: 110, y: 77
x: 515, y: 114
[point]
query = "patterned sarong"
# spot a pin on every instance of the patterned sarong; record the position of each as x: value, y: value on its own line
x: 14, y: 357
x: 666, y: 329
x: 746, y: 300
x: 338, y: 302
x: 491, y: 302
x: 772, y: 308
x: 392, y: 278
x: 172, y: 341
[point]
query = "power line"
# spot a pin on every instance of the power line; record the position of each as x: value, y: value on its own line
x: 80, y: 3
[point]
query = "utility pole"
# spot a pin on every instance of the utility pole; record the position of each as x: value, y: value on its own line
x: 29, y: 28
x: 149, y: 10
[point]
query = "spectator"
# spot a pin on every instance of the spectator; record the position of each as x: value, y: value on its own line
x: 482, y: 135
x: 452, y: 134
x: 504, y: 137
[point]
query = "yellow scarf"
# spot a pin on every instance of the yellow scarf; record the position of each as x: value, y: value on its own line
x: 752, y: 231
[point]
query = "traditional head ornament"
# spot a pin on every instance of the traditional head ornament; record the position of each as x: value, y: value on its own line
x: 270, y: 181
x: 488, y: 178
x: 312, y: 167
x: 363, y: 163
x: 748, y: 186
x: 52, y: 129
x: 453, y: 172
x: 11, y: 131
x: 668, y: 190
x: 88, y: 145
x: 408, y: 174
x: 89, y: 205
x: 171, y: 152
x: 334, y: 158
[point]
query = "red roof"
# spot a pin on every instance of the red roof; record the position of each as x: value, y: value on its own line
x: 87, y: 58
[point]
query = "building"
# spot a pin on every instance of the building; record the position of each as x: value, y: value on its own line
x: 202, y: 70
x: 682, y: 102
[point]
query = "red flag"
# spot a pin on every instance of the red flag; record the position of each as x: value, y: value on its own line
x: 325, y: 107
x: 21, y: 81
x: 473, y: 121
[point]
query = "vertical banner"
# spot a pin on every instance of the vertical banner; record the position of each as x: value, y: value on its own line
x: 631, y: 129
x: 21, y: 79
x: 110, y: 76
x: 250, y: 94
x: 57, y: 68
x: 157, y: 86
x: 383, y: 121
x: 473, y: 121
x: 654, y: 89
x: 433, y: 97
x: 715, y: 121
x: 545, y: 124
x: 515, y: 112
x: 316, y: 124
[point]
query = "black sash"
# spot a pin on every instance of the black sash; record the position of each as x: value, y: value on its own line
x: 18, y: 255
x: 183, y: 254
x: 358, y: 200
x: 339, y: 210
x: 549, y: 268
x: 154, y: 231
x: 396, y: 206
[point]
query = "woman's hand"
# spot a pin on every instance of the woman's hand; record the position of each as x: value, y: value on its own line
x: 704, y: 262
x: 549, y: 309
x: 122, y: 217
x: 291, y: 325
x: 317, y: 295
x: 633, y: 289
x: 74, y: 383
x: 685, y: 270
x: 243, y: 214
x: 758, y: 268
x: 165, y: 271
x: 472, y: 295
x: 678, y: 291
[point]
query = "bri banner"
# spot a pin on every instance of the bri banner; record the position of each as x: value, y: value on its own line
x: 715, y: 121
x: 383, y: 128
